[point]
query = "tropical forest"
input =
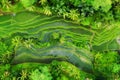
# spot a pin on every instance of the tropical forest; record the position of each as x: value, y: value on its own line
x: 59, y: 39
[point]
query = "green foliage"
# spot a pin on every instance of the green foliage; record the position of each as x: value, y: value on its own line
x: 27, y: 3
x: 36, y: 71
x: 75, y: 2
x: 36, y: 75
x: 5, y: 54
x: 116, y: 10
x: 67, y: 71
x: 83, y: 8
x: 4, y: 72
x: 6, y: 58
x: 5, y: 5
x: 107, y: 65
x: 47, y: 10
x: 104, y: 4
x: 17, y: 7
x: 41, y: 74
x: 43, y: 2
x: 73, y: 15
x: 3, y: 48
x: 16, y: 41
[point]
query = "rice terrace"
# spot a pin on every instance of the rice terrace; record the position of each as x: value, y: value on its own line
x: 59, y: 39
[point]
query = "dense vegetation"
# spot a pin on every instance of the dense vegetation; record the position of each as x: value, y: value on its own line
x: 59, y: 39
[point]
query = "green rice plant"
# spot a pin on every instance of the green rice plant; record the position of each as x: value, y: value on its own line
x: 107, y: 38
x: 80, y: 58
x: 41, y: 38
x: 28, y: 25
